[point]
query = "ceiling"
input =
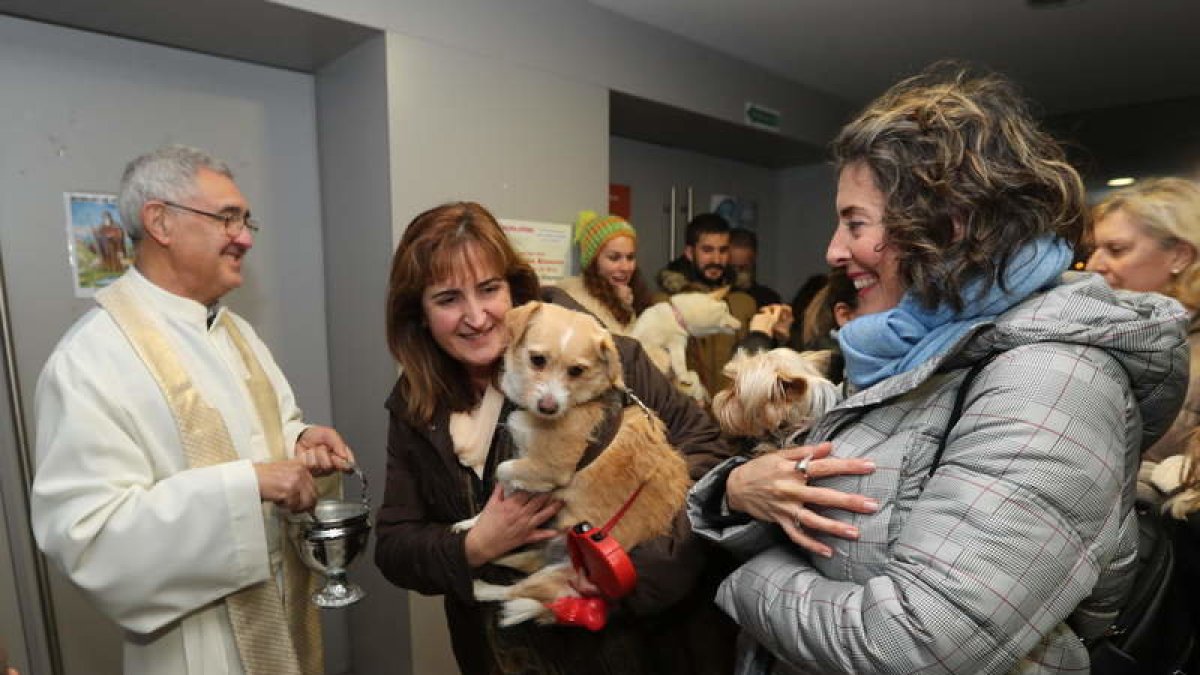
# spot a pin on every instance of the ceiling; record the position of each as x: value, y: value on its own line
x: 258, y: 32
x: 1075, y: 55
x: 1119, y: 80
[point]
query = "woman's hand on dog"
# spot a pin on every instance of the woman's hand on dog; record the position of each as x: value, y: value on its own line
x: 769, y: 488
x: 508, y: 522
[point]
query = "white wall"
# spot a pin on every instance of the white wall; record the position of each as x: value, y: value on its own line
x: 591, y: 45
x: 526, y: 144
x: 77, y: 107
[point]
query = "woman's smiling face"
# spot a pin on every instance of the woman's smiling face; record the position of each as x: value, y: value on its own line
x: 859, y: 242
x: 465, y: 313
x: 617, y: 260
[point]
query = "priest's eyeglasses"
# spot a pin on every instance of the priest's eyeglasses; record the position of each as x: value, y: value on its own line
x: 234, y: 222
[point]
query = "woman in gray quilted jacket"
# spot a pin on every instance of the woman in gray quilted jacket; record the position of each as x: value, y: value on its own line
x: 906, y: 537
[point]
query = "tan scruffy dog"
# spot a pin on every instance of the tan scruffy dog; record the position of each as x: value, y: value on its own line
x: 663, y: 330
x: 775, y: 396
x: 563, y: 370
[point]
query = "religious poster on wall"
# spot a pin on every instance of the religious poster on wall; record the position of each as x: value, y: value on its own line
x: 546, y: 246
x: 737, y: 211
x: 97, y: 246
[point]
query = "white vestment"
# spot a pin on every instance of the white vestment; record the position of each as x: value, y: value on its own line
x: 154, y: 544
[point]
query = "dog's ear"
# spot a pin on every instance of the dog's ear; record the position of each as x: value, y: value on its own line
x: 720, y: 293
x: 611, y: 358
x: 731, y: 368
x: 517, y: 320
x: 794, y: 386
x: 822, y: 360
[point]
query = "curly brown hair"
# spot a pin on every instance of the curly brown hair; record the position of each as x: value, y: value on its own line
x: 599, y: 288
x: 967, y: 176
x: 436, y: 245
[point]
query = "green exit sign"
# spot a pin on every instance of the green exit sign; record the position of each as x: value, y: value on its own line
x: 762, y: 117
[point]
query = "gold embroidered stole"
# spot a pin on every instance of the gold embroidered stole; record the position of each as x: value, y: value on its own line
x: 269, y: 630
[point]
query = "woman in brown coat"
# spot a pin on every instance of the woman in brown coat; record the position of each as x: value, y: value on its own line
x: 454, y: 276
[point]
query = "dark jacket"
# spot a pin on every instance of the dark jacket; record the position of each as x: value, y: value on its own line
x: 428, y: 490
x: 763, y: 295
x: 680, y: 275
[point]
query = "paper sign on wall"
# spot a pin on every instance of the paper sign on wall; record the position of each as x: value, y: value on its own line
x: 546, y: 246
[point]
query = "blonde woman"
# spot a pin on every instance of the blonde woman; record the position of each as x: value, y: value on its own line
x: 1146, y: 238
x: 610, y: 286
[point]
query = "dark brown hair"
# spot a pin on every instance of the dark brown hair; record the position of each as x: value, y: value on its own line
x: 604, y: 293
x: 952, y: 147
x: 433, y: 248
x: 819, y: 319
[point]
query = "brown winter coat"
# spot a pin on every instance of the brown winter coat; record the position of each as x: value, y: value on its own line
x: 668, y: 624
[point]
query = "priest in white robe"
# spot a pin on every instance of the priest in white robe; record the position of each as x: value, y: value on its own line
x: 169, y: 443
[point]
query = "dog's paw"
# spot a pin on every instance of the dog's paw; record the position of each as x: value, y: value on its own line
x: 533, y: 486
x: 689, y: 383
x: 510, y: 473
x: 464, y: 525
x: 520, y: 610
x: 514, y: 480
x: 485, y: 592
x: 507, y: 471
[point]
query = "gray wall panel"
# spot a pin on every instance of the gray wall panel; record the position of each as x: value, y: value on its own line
x: 81, y: 106
x: 356, y: 197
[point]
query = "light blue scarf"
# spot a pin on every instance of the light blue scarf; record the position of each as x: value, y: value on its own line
x: 878, y: 346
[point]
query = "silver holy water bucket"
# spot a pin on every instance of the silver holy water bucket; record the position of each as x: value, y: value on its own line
x: 328, y: 539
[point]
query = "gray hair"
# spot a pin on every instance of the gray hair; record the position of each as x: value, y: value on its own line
x: 167, y: 173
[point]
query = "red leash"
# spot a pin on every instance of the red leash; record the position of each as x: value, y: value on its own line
x: 602, y: 560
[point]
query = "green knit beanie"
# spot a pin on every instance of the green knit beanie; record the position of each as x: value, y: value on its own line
x: 593, y: 231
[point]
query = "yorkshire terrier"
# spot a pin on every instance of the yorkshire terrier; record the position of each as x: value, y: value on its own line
x: 775, y: 397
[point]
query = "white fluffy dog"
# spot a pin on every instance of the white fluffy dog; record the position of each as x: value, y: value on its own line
x: 775, y: 396
x: 663, y: 330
